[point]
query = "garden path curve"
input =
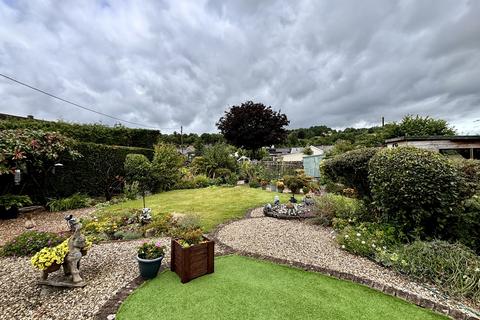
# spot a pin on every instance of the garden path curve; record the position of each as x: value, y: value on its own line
x: 305, y: 243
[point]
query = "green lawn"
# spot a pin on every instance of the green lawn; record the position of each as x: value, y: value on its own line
x: 213, y: 205
x: 243, y: 288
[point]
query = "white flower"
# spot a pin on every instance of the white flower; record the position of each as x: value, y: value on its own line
x: 346, y: 236
x: 349, y: 220
x: 343, y: 247
x: 477, y: 269
x: 384, y: 248
x: 464, y: 277
x: 358, y: 234
x: 373, y: 245
x: 363, y: 242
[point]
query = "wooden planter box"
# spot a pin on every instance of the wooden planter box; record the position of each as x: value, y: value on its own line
x: 193, y: 262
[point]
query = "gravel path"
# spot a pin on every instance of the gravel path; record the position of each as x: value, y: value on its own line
x: 306, y: 243
x: 106, y: 269
x: 44, y: 221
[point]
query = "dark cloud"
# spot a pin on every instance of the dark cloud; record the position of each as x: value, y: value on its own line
x: 170, y: 63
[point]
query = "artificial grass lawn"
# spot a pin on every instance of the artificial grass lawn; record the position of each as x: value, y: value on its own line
x: 243, y: 288
x: 213, y: 205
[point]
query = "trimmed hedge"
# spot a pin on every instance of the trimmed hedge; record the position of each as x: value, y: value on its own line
x: 99, y: 171
x: 94, y: 133
x: 350, y: 169
x: 419, y: 191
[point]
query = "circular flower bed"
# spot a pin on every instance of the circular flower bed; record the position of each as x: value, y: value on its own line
x: 289, y: 211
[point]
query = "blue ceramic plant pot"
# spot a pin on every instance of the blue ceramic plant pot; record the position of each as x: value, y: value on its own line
x: 149, y: 268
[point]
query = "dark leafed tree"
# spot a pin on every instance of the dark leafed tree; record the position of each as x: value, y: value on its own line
x: 253, y: 125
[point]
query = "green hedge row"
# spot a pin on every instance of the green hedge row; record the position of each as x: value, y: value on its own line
x: 94, y: 133
x: 98, y: 172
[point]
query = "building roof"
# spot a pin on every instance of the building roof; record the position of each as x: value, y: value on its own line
x: 430, y: 138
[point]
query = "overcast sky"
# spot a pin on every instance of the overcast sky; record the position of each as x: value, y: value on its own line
x: 172, y: 63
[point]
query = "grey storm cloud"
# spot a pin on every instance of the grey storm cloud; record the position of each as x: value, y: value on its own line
x: 171, y: 63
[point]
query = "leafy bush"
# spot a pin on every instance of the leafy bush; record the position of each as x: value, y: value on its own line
x: 161, y: 225
x: 254, y: 183
x: 202, y: 181
x: 452, y: 267
x: 467, y: 229
x: 470, y: 174
x: 329, y: 206
x: 416, y: 189
x: 75, y: 201
x: 98, y: 172
x: 94, y: 133
x: 10, y: 200
x: 294, y: 183
x: 366, y: 239
x: 350, y: 169
x: 29, y: 243
x: 219, y: 157
x: 128, y: 235
x: 139, y: 169
x: 166, y: 165
x: 131, y: 190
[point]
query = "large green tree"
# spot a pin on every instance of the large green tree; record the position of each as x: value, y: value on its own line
x: 253, y: 125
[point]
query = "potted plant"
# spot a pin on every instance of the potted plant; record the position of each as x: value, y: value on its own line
x: 10, y: 203
x: 192, y: 255
x: 149, y: 257
x: 264, y: 184
x: 280, y: 186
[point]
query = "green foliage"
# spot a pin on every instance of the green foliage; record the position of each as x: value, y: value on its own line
x: 469, y: 171
x: 151, y: 250
x: 216, y: 157
x: 202, y: 181
x: 93, y: 133
x: 253, y: 125
x: 131, y: 190
x: 10, y: 200
x: 415, y: 189
x: 467, y: 229
x: 254, y: 183
x: 75, y: 201
x: 161, y: 225
x: 29, y: 242
x: 139, y: 169
x: 28, y: 149
x: 452, y: 267
x: 419, y: 126
x: 350, y: 169
x: 329, y: 206
x: 368, y: 239
x: 294, y: 183
x: 308, y: 151
x: 340, y: 147
x: 127, y: 235
x: 98, y: 172
x: 166, y: 165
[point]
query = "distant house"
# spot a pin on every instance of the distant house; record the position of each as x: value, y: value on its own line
x: 297, y: 155
x: 465, y: 146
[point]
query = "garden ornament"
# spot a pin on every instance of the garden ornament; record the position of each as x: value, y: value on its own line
x: 276, y: 201
x: 146, y: 216
x: 71, y: 264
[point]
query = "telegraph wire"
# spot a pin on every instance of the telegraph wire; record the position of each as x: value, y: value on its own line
x: 76, y: 104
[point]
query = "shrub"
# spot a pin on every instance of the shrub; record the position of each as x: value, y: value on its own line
x: 452, y: 267
x: 469, y: 171
x: 253, y: 183
x: 166, y: 165
x: 98, y: 172
x: 294, y: 183
x: 128, y: 235
x: 30, y: 242
x: 131, y: 190
x: 366, y: 239
x: 330, y: 206
x: 202, y: 181
x: 415, y: 189
x: 467, y: 229
x: 10, y: 200
x: 75, y: 201
x: 219, y: 156
x: 161, y: 225
x: 350, y: 169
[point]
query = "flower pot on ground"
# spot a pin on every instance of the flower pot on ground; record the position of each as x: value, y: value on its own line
x: 192, y: 257
x: 149, y: 257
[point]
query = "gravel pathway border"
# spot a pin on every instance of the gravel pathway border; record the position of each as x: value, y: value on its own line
x: 376, y: 285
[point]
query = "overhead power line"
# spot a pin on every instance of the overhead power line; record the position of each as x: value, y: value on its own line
x: 75, y: 104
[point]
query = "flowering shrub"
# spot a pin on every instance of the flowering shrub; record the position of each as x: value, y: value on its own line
x: 30, y: 242
x: 75, y: 201
x: 366, y: 239
x: 150, y: 250
x: 56, y: 255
